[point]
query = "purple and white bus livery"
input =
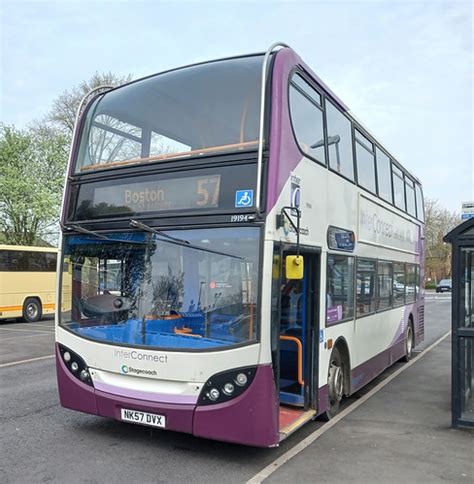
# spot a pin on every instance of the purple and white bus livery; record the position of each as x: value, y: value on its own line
x: 242, y: 253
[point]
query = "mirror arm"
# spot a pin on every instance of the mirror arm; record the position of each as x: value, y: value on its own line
x: 280, y: 222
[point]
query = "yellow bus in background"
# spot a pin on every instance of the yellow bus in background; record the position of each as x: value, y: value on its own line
x: 27, y: 281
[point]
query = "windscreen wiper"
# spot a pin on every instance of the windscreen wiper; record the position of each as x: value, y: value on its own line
x: 174, y: 240
x: 138, y: 225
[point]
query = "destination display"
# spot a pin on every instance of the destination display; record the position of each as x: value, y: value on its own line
x: 175, y: 192
x: 155, y: 196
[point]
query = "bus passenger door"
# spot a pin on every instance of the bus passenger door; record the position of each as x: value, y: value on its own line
x: 297, y: 334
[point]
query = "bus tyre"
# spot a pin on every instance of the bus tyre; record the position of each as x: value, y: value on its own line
x: 32, y: 310
x: 408, y: 343
x: 335, y: 384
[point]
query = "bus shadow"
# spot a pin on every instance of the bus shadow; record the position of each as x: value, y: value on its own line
x: 183, y: 445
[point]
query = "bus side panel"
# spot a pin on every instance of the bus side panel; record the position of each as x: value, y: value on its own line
x: 16, y: 287
x: 250, y: 419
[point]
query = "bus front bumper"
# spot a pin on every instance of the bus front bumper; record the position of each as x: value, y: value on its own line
x: 249, y: 419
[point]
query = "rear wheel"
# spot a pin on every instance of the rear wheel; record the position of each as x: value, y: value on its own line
x: 32, y: 310
x: 409, y: 343
x: 335, y: 384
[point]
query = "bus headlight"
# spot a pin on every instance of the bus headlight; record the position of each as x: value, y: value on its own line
x: 214, y: 394
x: 226, y: 386
x: 84, y: 375
x: 76, y: 365
x: 241, y: 379
x: 229, y: 389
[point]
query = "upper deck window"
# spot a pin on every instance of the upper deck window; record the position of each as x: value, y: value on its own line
x: 383, y: 175
x: 365, y: 162
x: 339, y: 142
x: 398, y: 187
x: 307, y: 118
x: 420, y: 213
x: 410, y: 194
x: 194, y: 111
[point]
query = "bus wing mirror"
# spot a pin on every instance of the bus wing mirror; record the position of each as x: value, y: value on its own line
x: 294, y: 267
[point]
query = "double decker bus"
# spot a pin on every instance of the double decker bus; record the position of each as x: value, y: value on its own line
x: 243, y: 253
x: 27, y: 281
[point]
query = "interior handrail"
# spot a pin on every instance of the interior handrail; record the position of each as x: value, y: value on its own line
x: 296, y: 340
x: 166, y: 156
x: 258, y: 193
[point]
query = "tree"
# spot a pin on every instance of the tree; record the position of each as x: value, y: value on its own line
x: 439, y: 221
x: 33, y: 163
x: 63, y: 111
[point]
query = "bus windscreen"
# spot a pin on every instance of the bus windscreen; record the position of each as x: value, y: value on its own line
x: 140, y: 289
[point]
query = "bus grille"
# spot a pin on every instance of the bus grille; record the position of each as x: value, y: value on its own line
x: 421, y: 320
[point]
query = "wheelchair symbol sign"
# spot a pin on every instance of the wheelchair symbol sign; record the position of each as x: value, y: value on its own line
x: 243, y: 198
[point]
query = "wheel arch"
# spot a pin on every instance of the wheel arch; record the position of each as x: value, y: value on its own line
x: 35, y: 296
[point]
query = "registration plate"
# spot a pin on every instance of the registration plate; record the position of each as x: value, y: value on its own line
x: 143, y: 418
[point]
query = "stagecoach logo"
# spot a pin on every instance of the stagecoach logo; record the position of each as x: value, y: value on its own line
x: 130, y: 370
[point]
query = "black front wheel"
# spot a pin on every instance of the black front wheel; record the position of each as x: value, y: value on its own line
x: 335, y: 384
x: 32, y: 310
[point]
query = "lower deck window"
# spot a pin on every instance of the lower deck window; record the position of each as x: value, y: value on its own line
x: 398, y: 284
x: 340, y: 288
x: 411, y: 288
x: 365, y: 288
x: 385, y: 285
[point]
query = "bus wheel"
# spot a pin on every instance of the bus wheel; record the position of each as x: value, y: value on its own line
x: 335, y: 384
x: 409, y: 342
x: 32, y: 310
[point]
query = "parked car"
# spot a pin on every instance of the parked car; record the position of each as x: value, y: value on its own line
x: 445, y: 285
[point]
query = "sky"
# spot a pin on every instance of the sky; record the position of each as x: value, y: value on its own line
x: 404, y: 67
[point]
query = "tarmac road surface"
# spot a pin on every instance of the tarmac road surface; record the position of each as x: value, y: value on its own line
x: 41, y: 442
